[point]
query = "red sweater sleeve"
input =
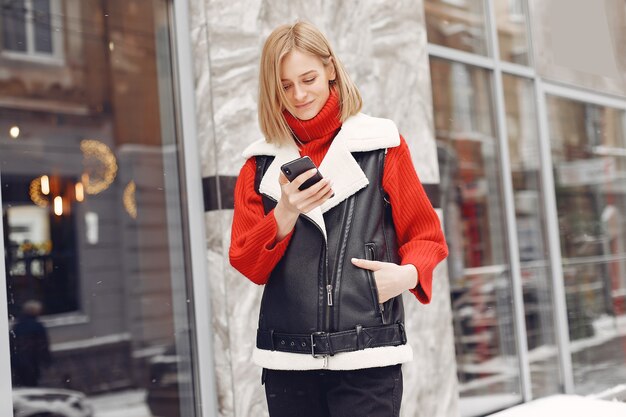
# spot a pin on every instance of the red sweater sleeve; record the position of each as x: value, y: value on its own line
x: 420, y: 238
x: 253, y: 250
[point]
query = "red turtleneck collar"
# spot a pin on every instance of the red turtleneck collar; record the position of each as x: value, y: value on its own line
x: 323, y: 126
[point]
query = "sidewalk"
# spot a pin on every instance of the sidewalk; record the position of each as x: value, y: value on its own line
x: 121, y: 404
x: 566, y: 405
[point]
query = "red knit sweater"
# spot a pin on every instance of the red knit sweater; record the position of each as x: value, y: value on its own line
x: 254, y: 251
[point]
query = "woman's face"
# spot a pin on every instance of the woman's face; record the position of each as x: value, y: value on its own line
x: 305, y: 78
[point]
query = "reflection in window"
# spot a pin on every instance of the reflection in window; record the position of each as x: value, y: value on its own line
x: 589, y: 159
x: 512, y: 34
x: 31, y: 27
x: 40, y: 253
x: 91, y: 210
x: 535, y: 272
x: 458, y: 24
x: 480, y: 279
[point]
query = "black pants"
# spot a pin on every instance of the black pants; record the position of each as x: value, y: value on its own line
x: 372, y: 392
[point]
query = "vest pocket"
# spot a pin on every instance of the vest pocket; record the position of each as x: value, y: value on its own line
x: 370, y: 255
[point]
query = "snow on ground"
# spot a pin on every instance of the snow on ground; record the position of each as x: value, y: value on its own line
x: 121, y: 404
x: 566, y: 405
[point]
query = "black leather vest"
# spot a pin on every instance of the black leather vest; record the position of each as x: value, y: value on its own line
x: 316, y: 290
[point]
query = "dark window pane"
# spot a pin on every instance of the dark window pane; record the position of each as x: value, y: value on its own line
x: 43, y: 30
x: 40, y: 249
x: 14, y: 25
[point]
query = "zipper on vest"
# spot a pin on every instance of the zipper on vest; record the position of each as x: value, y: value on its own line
x: 329, y: 290
x: 329, y: 294
x: 337, y: 271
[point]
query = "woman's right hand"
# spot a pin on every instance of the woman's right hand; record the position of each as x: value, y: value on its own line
x: 293, y: 202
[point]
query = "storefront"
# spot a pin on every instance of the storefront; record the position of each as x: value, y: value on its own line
x: 121, y: 125
x: 530, y: 125
x: 96, y: 237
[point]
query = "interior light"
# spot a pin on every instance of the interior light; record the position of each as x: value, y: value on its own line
x: 91, y: 223
x: 130, y: 202
x: 35, y: 193
x: 80, y: 192
x: 58, y: 206
x: 111, y: 46
x: 14, y: 131
x: 45, y: 185
x: 100, y: 166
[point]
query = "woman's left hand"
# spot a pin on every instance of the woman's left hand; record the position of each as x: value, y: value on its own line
x: 391, y: 279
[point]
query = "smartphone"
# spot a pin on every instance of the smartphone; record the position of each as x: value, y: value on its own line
x: 298, y: 166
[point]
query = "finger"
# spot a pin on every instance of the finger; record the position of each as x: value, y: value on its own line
x: 329, y: 194
x: 300, y: 179
x: 317, y: 199
x: 282, y: 180
x: 311, y: 194
x: 366, y: 264
x: 317, y: 190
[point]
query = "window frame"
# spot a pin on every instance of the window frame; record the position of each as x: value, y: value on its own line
x: 6, y: 396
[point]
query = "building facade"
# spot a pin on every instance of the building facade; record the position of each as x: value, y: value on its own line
x: 121, y: 129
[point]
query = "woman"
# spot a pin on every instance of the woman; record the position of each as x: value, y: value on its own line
x: 336, y: 257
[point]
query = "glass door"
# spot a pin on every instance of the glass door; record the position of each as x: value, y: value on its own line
x: 97, y: 287
x: 588, y: 151
x: 481, y: 284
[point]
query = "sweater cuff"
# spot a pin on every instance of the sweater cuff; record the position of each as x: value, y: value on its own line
x: 423, y: 289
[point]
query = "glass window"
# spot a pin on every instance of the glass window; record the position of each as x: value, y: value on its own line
x: 42, y: 25
x: 511, y: 19
x: 589, y: 158
x: 32, y: 28
x: 35, y: 270
x: 524, y: 160
x: 458, y: 24
x: 91, y: 208
x: 480, y: 278
x: 14, y: 25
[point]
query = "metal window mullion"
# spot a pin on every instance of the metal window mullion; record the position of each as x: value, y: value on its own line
x: 56, y: 22
x: 29, y: 22
x: 517, y: 70
x: 459, y: 56
x: 552, y: 224
x: 205, y: 387
x: 509, y: 209
x: 6, y: 398
x: 586, y: 96
x: 529, y: 39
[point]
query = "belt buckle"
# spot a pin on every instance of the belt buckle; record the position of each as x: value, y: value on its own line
x: 313, y: 345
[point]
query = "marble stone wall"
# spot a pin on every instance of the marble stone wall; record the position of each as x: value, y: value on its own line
x: 382, y: 45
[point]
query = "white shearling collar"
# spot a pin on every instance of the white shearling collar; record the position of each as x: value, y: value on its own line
x: 358, y: 133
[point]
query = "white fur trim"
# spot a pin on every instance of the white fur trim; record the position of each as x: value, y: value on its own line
x: 360, y: 359
x: 359, y: 133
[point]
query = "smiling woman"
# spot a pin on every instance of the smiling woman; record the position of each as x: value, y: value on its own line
x: 335, y: 257
x: 305, y: 79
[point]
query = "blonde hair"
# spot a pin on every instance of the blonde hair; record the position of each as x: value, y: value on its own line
x: 306, y: 38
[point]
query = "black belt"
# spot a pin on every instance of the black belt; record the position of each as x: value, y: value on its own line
x: 324, y: 344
